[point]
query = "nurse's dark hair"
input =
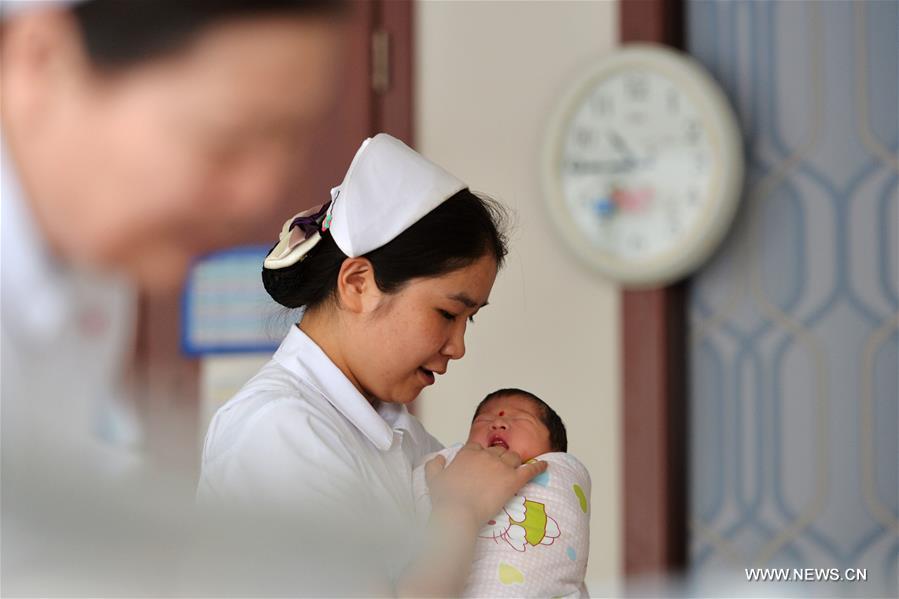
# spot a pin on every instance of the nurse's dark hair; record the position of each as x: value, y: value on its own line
x: 453, y: 235
x: 119, y: 33
x: 558, y: 437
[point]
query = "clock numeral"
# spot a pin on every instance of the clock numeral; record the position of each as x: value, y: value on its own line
x: 694, y: 131
x: 692, y: 196
x: 700, y: 163
x: 603, y: 105
x: 672, y: 101
x: 583, y: 136
x: 674, y: 219
x: 637, y: 87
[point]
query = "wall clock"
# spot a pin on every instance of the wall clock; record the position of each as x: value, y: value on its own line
x: 643, y: 166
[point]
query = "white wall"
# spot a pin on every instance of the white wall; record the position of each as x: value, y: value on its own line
x: 487, y: 76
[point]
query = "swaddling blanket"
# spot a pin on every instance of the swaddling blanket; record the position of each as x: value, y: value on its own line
x: 538, y: 544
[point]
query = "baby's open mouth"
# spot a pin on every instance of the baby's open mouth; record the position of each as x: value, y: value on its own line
x: 497, y: 441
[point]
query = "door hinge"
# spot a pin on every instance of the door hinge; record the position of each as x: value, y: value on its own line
x: 380, y: 61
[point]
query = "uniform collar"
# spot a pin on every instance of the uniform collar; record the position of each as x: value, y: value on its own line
x: 301, y: 355
x: 36, y: 289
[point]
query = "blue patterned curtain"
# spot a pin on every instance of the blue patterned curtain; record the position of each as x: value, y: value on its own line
x: 794, y: 326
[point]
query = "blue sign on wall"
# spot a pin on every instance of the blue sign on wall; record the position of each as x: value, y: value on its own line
x: 225, y: 308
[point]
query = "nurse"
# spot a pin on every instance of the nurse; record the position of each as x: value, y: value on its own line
x: 389, y: 274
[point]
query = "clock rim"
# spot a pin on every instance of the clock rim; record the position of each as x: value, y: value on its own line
x: 717, y: 118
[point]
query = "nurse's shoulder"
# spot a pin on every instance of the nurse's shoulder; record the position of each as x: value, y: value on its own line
x: 272, y: 393
x: 273, y: 438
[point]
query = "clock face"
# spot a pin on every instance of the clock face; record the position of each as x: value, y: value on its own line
x: 643, y: 170
x: 637, y: 165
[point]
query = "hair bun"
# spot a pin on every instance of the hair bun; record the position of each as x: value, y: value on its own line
x: 309, y: 281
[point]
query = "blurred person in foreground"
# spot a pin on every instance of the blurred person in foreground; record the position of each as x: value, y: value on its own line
x: 135, y: 136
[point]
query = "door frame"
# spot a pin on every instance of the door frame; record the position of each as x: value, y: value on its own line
x: 654, y: 378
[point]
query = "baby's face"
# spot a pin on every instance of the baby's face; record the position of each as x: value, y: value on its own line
x: 513, y: 422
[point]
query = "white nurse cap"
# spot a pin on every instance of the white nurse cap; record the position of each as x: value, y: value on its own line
x: 387, y: 188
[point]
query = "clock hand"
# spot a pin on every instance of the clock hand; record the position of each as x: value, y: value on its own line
x: 621, y: 145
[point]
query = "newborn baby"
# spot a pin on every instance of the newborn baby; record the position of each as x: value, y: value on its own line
x: 537, y: 545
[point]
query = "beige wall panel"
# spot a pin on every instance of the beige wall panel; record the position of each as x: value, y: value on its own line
x: 488, y: 74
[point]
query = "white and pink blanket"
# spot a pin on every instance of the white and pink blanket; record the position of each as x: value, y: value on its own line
x: 538, y: 544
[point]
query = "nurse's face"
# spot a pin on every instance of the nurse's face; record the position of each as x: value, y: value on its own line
x: 157, y: 162
x: 412, y: 336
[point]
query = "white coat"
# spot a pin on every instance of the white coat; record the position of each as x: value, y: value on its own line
x: 66, y: 338
x: 300, y: 436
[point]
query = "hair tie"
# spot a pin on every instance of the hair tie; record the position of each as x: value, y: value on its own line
x: 298, y: 236
x: 309, y: 224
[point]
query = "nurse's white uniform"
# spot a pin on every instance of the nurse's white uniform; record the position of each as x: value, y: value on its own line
x: 67, y: 428
x: 66, y: 338
x: 300, y: 434
x: 300, y: 442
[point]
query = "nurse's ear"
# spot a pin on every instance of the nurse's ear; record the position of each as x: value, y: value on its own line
x: 357, y: 290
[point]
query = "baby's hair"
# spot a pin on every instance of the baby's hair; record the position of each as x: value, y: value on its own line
x: 558, y: 438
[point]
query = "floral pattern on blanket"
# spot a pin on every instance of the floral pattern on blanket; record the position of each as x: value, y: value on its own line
x: 520, y: 523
